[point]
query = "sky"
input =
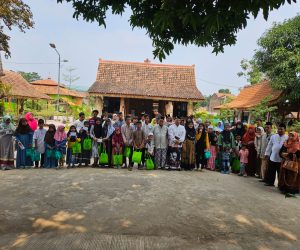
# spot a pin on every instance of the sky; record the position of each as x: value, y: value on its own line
x: 83, y: 43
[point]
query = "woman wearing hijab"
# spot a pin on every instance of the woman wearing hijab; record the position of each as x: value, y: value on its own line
x: 50, y: 160
x: 32, y: 122
x: 188, y: 147
x: 258, y: 147
x: 249, y: 138
x: 202, y: 144
x: 7, y: 130
x: 239, y: 129
x: 96, y: 135
x: 60, y: 138
x: 289, y: 180
x: 24, y: 137
x: 220, y: 126
x: 108, y: 130
x: 212, y: 148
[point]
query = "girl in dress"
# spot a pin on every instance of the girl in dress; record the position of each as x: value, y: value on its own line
x: 72, y: 138
x: 60, y: 138
x: 50, y: 160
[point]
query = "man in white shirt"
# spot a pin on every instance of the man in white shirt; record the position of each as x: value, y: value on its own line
x: 79, y: 124
x: 176, y: 134
x: 272, y: 154
x: 160, y: 133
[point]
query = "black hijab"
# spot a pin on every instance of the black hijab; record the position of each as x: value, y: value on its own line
x: 239, y: 131
x: 226, y: 136
x: 98, y: 128
x: 23, y: 129
x: 49, y: 137
x: 190, y: 132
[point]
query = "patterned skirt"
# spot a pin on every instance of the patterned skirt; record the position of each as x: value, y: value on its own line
x: 212, y: 159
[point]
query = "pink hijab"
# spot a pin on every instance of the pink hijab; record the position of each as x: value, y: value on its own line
x: 60, y: 133
x: 31, y: 121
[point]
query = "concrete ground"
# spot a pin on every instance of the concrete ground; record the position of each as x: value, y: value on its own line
x: 118, y: 209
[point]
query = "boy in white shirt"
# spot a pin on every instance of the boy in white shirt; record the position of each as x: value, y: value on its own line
x: 39, y: 144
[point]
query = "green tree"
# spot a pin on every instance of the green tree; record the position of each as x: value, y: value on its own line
x: 30, y: 76
x: 13, y: 13
x: 225, y: 91
x: 262, y: 109
x: 169, y: 22
x: 251, y: 72
x: 278, y: 57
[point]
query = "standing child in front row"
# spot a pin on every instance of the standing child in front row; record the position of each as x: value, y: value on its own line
x: 85, y: 155
x: 226, y: 161
x: 235, y: 166
x: 60, y: 138
x: 39, y: 137
x: 24, y: 136
x: 244, y: 154
x: 149, y: 147
x: 72, y: 139
x: 117, y: 145
x: 50, y: 160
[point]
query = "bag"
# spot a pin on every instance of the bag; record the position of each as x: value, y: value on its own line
x: 76, y: 149
x: 118, y: 160
x: 57, y: 154
x: 292, y: 165
x: 36, y: 156
x: 50, y: 153
x: 127, y: 151
x: 207, y: 155
x: 149, y: 163
x: 103, y: 157
x: 100, y: 149
x: 137, y: 157
x: 29, y: 152
x: 87, y: 143
x: 236, y: 165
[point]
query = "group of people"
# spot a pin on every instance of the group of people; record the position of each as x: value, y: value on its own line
x: 158, y: 143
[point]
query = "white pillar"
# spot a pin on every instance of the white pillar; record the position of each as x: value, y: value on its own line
x: 99, y: 104
x: 169, y: 108
x: 122, y: 105
x: 190, y: 110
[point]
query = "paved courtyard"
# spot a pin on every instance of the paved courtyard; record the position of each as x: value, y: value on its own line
x: 119, y: 209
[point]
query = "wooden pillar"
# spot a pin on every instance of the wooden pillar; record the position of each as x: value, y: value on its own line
x: 122, y: 105
x: 99, y: 104
x: 169, y: 108
x: 190, y: 110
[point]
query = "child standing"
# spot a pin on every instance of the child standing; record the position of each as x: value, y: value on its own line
x: 117, y: 143
x: 235, y: 159
x: 96, y: 135
x: 149, y: 147
x: 24, y: 136
x: 72, y: 138
x: 226, y: 161
x: 60, y: 138
x: 49, y: 156
x: 244, y: 154
x: 39, y: 137
x: 85, y: 155
x: 139, y: 140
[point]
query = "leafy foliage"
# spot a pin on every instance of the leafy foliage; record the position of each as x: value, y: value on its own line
x: 13, y: 13
x: 251, y: 72
x: 69, y: 77
x: 30, y: 76
x: 278, y: 57
x: 224, y: 91
x: 4, y: 90
x: 262, y: 109
x: 169, y: 22
x: 295, y: 127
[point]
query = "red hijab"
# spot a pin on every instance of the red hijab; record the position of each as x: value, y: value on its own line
x: 32, y: 122
x: 293, y: 145
x: 249, y: 135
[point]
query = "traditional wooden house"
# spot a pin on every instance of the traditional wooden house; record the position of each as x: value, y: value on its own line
x: 67, y: 96
x: 218, y: 99
x: 133, y: 88
x: 19, y: 90
x: 249, y: 97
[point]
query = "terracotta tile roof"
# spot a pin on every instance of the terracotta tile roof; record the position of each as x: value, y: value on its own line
x: 146, y: 80
x: 252, y: 96
x: 49, y: 86
x: 20, y: 87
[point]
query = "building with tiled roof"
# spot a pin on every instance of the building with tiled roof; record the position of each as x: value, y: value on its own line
x: 249, y: 97
x: 218, y: 99
x: 133, y: 88
x: 50, y: 88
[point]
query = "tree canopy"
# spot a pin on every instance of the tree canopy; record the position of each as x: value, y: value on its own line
x: 224, y: 91
x: 278, y: 57
x: 30, y: 76
x: 13, y: 13
x: 251, y: 72
x: 168, y: 22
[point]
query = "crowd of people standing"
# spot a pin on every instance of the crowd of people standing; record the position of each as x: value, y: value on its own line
x: 158, y: 143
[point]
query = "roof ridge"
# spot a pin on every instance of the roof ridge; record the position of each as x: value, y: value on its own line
x: 148, y: 64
